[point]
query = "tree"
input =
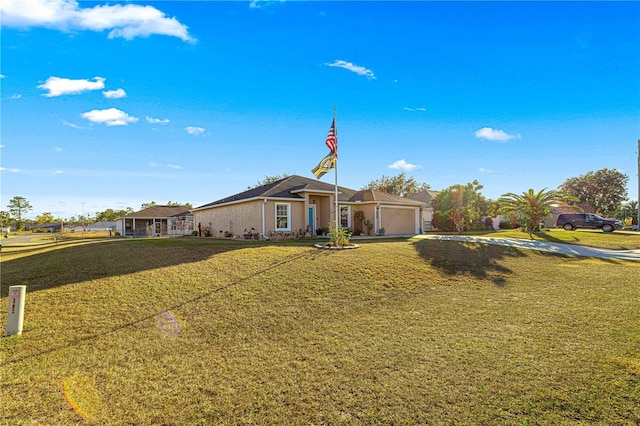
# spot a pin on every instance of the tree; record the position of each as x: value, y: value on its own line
x: 173, y: 203
x: 5, y: 219
x: 110, y: 214
x: 269, y: 179
x: 45, y: 217
x: 601, y: 191
x: 459, y: 207
x: 397, y: 185
x: 532, y: 207
x: 147, y: 205
x: 629, y: 210
x: 19, y: 206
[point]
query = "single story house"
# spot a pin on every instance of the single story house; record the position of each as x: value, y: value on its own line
x: 156, y: 221
x: 298, y: 206
x: 46, y: 227
x: 102, y: 226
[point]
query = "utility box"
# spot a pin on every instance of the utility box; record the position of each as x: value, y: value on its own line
x: 15, y: 317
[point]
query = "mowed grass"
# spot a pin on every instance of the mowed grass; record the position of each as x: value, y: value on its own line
x: 195, y: 331
x: 617, y: 240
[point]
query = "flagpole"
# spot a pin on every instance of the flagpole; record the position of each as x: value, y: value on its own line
x: 335, y: 131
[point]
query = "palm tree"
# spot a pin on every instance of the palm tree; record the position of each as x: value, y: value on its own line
x: 532, y: 206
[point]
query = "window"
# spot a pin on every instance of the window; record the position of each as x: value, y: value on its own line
x: 344, y: 216
x: 283, y: 217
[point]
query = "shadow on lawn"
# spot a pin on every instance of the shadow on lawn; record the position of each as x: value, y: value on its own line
x: 51, y: 266
x: 475, y: 259
x: 211, y: 247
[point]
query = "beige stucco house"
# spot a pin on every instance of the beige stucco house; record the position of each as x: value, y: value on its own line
x: 299, y: 206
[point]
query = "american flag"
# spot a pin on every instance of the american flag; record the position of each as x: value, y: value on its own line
x: 332, y: 141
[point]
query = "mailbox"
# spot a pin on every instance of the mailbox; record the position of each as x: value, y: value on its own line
x: 15, y: 317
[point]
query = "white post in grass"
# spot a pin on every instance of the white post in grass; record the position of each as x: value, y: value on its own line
x: 15, y: 314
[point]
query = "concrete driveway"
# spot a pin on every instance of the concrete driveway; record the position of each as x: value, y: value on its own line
x: 558, y: 248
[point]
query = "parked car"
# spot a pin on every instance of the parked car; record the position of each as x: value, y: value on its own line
x: 571, y: 221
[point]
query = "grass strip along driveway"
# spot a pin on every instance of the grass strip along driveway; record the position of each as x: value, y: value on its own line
x: 399, y: 331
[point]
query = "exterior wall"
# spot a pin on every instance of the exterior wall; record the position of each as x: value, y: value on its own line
x: 233, y: 219
x: 324, y: 206
x: 369, y: 215
x: 427, y: 219
x: 399, y: 221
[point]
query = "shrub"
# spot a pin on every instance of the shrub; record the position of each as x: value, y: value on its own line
x: 338, y: 237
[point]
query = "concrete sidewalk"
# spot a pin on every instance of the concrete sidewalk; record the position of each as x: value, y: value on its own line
x: 557, y: 248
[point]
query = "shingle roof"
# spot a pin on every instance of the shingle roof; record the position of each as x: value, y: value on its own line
x: 287, y: 187
x: 373, y: 195
x: 425, y: 196
x: 102, y: 224
x: 160, y: 211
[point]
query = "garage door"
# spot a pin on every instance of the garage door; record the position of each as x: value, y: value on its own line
x: 398, y: 221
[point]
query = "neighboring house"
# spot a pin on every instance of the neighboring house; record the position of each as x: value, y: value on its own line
x: 46, y: 227
x: 426, y: 197
x: 156, y: 221
x: 102, y: 226
x: 297, y: 206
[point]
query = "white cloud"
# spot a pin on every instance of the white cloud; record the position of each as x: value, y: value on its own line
x: 126, y: 21
x: 257, y: 4
x: 15, y: 96
x: 495, y: 135
x: 152, y: 164
x: 110, y: 117
x: 194, y: 130
x: 2, y: 76
x: 63, y: 86
x: 75, y: 126
x: 353, y: 68
x: 57, y: 149
x: 174, y: 166
x: 483, y: 170
x: 421, y: 109
x: 407, y: 109
x: 157, y: 120
x: 403, y: 165
x: 59, y: 172
x: 4, y: 169
x: 114, y: 94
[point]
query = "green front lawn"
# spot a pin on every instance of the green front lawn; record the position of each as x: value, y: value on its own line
x: 202, y: 331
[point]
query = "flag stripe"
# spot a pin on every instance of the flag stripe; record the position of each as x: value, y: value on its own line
x: 332, y: 141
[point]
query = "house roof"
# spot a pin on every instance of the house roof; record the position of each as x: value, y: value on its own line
x: 102, y: 225
x: 425, y: 196
x: 288, y: 187
x: 382, y: 197
x: 159, y: 211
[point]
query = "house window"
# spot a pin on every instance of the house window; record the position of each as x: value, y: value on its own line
x: 283, y: 217
x: 344, y: 216
x: 173, y: 224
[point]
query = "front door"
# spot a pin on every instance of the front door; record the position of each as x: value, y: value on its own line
x: 311, y: 220
x: 158, y: 228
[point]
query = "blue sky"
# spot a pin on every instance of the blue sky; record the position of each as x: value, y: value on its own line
x: 110, y: 105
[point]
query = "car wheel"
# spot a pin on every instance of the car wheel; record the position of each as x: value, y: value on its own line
x: 607, y: 228
x: 568, y: 227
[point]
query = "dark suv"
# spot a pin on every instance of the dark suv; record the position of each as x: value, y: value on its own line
x: 571, y: 221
